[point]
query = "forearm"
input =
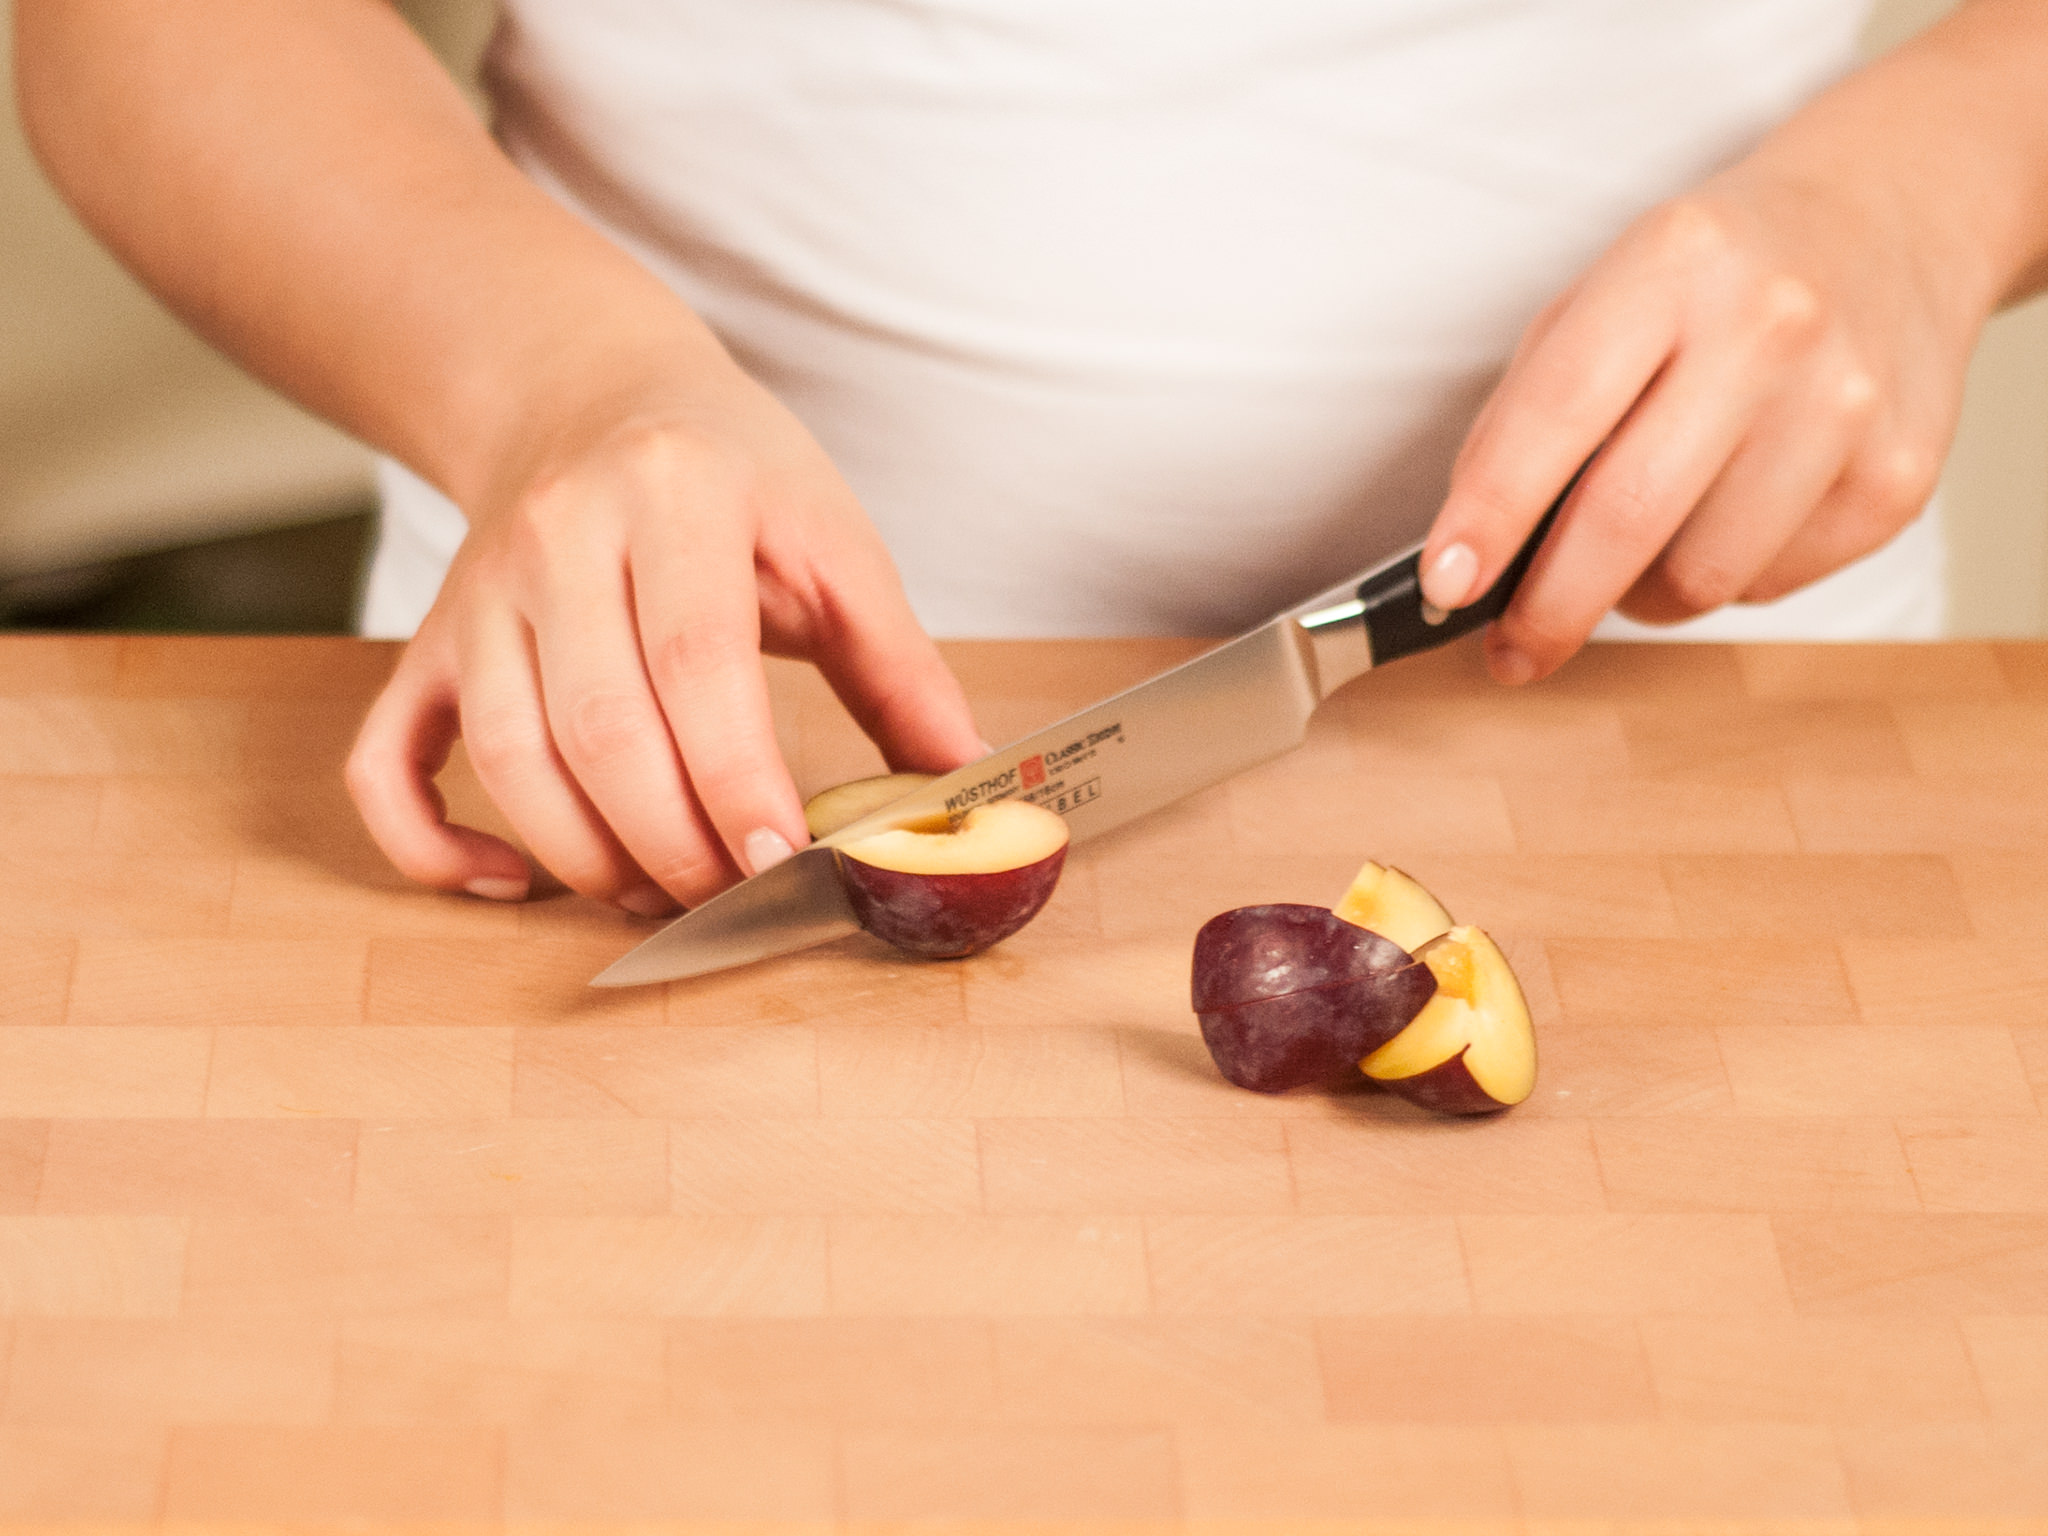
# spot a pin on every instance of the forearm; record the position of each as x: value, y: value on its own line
x: 1946, y: 140
x: 303, y: 183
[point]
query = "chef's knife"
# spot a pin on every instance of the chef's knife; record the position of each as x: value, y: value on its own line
x: 1192, y: 726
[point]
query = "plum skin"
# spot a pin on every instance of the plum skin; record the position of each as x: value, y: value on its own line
x: 1448, y: 1088
x: 948, y: 917
x: 1472, y: 1050
x: 1292, y: 995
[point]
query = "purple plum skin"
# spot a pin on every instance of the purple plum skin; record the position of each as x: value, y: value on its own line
x: 1293, y: 995
x: 1449, y: 1088
x: 946, y: 917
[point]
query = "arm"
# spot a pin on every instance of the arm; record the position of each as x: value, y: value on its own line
x: 1770, y: 366
x: 301, y: 182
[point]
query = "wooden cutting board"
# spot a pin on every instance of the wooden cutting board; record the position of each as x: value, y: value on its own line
x: 325, y: 1202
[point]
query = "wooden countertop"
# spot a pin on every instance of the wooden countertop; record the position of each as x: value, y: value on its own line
x: 326, y: 1202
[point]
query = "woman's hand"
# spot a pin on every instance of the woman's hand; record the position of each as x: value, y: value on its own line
x: 1765, y: 373
x: 598, y: 644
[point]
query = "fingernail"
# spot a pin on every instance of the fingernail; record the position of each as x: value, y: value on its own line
x: 764, y: 848
x: 648, y: 901
x: 986, y: 749
x: 497, y: 888
x: 1448, y: 582
x: 1510, y: 666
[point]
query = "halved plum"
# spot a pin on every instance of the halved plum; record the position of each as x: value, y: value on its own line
x: 954, y: 891
x: 1291, y: 995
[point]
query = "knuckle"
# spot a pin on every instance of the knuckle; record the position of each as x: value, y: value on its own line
x: 1699, y: 585
x: 1544, y: 638
x: 602, y: 726
x: 898, y: 702
x: 363, y: 769
x: 1911, y: 471
x: 647, y: 454
x: 1651, y: 601
x: 540, y: 515
x: 495, y: 759
x: 544, y: 530
x: 1489, y: 496
x: 733, y: 783
x: 588, y: 873
x: 667, y: 458
x: 1767, y: 588
x: 689, y: 875
x: 1895, y: 482
x: 1690, y: 230
x: 1623, y: 511
x: 503, y: 744
x: 695, y: 648
x: 1790, y: 307
x: 1855, y: 392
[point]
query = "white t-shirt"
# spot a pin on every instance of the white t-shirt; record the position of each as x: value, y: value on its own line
x: 1129, y: 316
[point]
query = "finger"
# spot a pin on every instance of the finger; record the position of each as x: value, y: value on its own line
x: 403, y: 743
x: 1883, y: 489
x: 1580, y: 369
x: 888, y: 673
x: 696, y: 605
x: 615, y: 739
x: 1647, y: 480
x: 1533, y: 336
x: 515, y: 759
x: 1770, y: 489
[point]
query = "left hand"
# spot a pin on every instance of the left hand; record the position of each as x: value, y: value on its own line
x: 1765, y: 373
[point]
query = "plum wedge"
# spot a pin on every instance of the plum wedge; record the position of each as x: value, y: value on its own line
x: 1471, y: 1049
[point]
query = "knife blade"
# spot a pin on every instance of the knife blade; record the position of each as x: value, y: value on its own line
x: 1191, y: 726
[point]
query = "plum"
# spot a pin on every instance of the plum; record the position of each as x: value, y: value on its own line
x: 1291, y: 995
x: 844, y: 804
x: 954, y: 891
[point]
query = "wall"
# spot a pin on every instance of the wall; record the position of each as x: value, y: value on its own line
x: 118, y: 431
x: 1995, y: 487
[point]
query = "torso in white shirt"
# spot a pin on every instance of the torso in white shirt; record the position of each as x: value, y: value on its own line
x: 1140, y: 315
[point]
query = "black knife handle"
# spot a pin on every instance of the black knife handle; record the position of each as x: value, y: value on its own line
x: 1392, y: 599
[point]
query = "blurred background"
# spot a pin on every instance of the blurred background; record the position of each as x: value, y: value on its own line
x: 146, y: 484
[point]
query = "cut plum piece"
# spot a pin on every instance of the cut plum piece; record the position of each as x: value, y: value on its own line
x: 1472, y: 1048
x: 955, y: 891
x: 1291, y: 995
x: 1393, y: 905
x: 844, y: 804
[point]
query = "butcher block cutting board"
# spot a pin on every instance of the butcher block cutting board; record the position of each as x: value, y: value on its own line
x: 329, y: 1204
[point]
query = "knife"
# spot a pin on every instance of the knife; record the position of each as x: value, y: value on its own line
x: 1191, y: 726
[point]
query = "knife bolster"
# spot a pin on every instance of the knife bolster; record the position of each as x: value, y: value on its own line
x: 1336, y: 644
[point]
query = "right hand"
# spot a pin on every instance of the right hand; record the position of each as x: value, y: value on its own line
x: 598, y: 643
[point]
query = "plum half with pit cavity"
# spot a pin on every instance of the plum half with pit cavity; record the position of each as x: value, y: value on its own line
x: 947, y: 892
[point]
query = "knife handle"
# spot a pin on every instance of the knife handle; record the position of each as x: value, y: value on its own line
x: 1399, y: 622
